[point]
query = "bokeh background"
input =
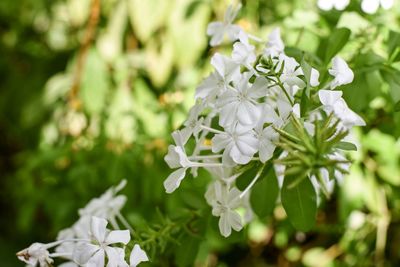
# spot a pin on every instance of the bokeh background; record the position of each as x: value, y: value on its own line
x: 90, y: 91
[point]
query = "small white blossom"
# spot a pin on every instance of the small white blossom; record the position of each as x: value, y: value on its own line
x: 372, y: 6
x: 93, y: 254
x: 341, y: 71
x: 218, y: 30
x: 291, y: 71
x: 224, y: 201
x: 333, y: 102
x: 243, y: 52
x: 239, y: 144
x: 35, y: 254
x: 107, y: 205
x: 240, y: 102
x: 275, y: 44
x: 327, y: 5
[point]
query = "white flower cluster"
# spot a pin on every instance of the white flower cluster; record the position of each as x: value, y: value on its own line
x: 238, y: 108
x: 89, y: 242
x: 368, y: 6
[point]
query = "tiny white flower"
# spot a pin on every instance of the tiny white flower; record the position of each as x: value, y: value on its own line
x: 266, y: 146
x: 341, y: 71
x: 35, y: 254
x: 291, y: 71
x: 137, y: 256
x: 228, y: 69
x: 275, y: 44
x: 370, y: 6
x: 224, y: 201
x: 327, y: 5
x: 243, y: 52
x: 333, y: 102
x: 107, y: 205
x: 218, y: 30
x: 176, y: 157
x: 238, y: 142
x: 211, y: 87
x: 240, y: 102
x: 93, y: 254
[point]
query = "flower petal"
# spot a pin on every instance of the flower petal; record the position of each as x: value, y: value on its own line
x: 137, y: 256
x: 118, y: 236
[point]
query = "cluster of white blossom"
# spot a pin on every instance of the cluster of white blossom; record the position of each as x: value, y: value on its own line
x: 368, y: 6
x: 239, y: 108
x: 89, y: 242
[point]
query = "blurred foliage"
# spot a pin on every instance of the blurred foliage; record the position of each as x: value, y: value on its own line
x: 88, y: 99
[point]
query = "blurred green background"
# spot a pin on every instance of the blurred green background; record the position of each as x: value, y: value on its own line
x: 91, y: 90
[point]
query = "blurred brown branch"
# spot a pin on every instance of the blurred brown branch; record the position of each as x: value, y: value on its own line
x: 82, y: 54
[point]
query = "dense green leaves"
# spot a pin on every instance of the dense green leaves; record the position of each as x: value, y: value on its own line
x: 300, y: 203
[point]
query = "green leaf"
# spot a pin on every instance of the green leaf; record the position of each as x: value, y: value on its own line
x: 346, y: 146
x: 397, y: 107
x: 336, y: 42
x: 392, y: 77
x: 394, y: 46
x: 300, y: 203
x: 95, y: 83
x: 247, y: 176
x: 187, y: 252
x: 264, y: 194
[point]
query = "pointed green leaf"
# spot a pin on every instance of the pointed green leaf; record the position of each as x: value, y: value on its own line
x: 336, y: 42
x: 346, y: 146
x: 300, y: 203
x: 264, y: 194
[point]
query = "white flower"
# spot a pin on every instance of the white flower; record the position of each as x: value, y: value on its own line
x: 228, y: 69
x: 224, y: 201
x: 192, y: 124
x: 218, y: 30
x: 333, y: 102
x: 275, y: 44
x: 329, y: 4
x: 137, y: 256
x: 243, y: 52
x: 291, y: 71
x: 93, y: 254
x: 107, y: 205
x: 211, y: 87
x: 240, y: 102
x: 341, y: 71
x: 36, y: 253
x: 176, y: 157
x: 238, y: 142
x: 266, y: 145
x: 371, y: 6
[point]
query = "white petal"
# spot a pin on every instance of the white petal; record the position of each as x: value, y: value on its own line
x: 83, y: 252
x: 224, y: 225
x: 370, y: 6
x: 314, y: 77
x: 219, y: 142
x: 137, y: 256
x: 235, y: 220
x: 97, y: 260
x: 174, y: 180
x: 113, y: 257
x: 98, y: 228
x: 328, y: 97
x: 118, y: 236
